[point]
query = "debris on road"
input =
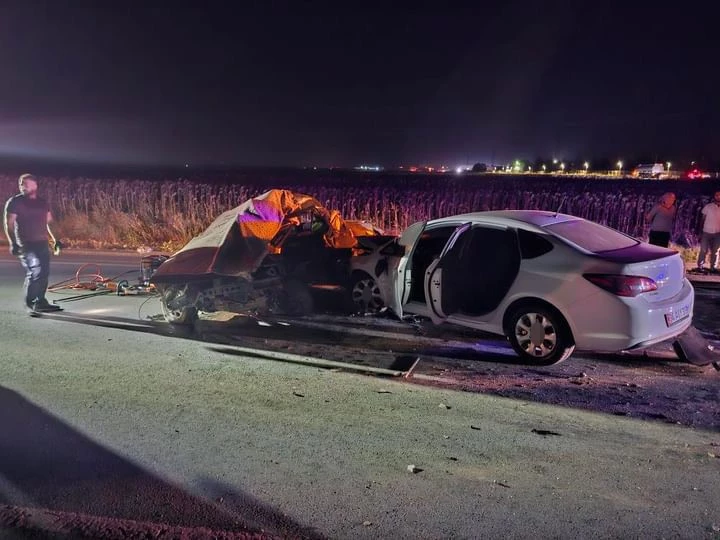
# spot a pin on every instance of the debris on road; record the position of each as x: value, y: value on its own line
x: 413, y: 469
x: 545, y: 432
x: 691, y: 346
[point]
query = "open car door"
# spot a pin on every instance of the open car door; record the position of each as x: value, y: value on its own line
x: 441, y: 269
x: 474, y: 272
x: 399, y: 268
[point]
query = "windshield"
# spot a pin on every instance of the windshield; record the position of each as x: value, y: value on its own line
x: 591, y: 236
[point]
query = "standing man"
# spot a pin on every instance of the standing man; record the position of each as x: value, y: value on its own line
x: 27, y: 226
x: 662, y: 219
x: 710, y: 236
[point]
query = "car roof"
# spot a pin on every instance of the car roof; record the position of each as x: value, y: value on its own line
x: 531, y: 218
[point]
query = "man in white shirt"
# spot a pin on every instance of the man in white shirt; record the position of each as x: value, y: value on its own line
x: 710, y: 237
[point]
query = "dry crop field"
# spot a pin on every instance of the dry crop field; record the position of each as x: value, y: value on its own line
x: 165, y: 212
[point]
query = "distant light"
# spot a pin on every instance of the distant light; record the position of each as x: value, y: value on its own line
x: 459, y: 170
x: 562, y: 166
x: 668, y: 165
x: 586, y: 165
x: 555, y: 161
x: 543, y: 167
x: 186, y: 165
x: 619, y: 164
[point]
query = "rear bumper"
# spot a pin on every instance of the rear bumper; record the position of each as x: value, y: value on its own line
x: 638, y: 323
x: 679, y: 329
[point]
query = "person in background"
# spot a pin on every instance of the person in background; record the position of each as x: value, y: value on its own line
x: 661, y: 219
x: 27, y: 220
x: 710, y: 233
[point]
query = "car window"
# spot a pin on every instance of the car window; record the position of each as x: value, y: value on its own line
x: 533, y: 245
x: 591, y: 236
x: 432, y: 241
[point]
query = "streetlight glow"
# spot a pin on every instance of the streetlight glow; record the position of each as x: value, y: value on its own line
x: 586, y: 165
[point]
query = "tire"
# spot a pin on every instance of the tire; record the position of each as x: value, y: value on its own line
x: 172, y: 311
x: 365, y: 294
x: 539, y: 334
x: 296, y: 299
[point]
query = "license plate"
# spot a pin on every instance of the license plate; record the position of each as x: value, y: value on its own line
x: 677, y: 315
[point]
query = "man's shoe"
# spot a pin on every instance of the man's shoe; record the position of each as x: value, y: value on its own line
x: 45, y: 307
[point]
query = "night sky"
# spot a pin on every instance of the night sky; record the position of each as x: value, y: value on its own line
x: 302, y: 84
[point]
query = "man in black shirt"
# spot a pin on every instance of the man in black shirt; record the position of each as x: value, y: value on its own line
x: 27, y: 226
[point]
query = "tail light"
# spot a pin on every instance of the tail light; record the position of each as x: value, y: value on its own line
x: 620, y: 285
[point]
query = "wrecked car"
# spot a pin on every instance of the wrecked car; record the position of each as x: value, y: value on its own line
x: 549, y: 282
x: 264, y: 256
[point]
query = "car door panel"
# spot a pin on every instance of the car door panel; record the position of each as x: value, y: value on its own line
x: 439, y: 304
x: 398, y: 274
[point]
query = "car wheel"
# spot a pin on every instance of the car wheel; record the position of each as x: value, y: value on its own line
x: 173, y: 308
x: 540, y: 335
x: 365, y: 294
x: 296, y: 298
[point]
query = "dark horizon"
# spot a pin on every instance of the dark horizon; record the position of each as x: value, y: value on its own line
x: 274, y: 84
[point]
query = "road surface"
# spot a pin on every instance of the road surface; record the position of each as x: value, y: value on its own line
x: 113, y: 424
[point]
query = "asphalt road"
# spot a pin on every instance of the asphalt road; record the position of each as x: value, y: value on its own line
x: 113, y: 424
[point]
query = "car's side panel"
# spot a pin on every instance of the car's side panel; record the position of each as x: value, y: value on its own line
x: 552, y: 277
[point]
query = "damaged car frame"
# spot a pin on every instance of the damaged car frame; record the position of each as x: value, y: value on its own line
x: 264, y: 257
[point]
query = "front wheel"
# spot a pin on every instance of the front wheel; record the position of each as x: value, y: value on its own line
x: 175, y: 305
x: 539, y: 335
x: 365, y: 294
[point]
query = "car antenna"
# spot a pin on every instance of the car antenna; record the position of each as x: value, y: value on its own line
x: 560, y: 206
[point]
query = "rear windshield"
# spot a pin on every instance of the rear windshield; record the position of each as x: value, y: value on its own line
x: 591, y: 236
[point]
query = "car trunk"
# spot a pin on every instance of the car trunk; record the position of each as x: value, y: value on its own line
x: 663, y: 266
